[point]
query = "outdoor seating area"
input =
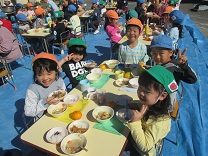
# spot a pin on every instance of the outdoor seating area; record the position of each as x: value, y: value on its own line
x: 111, y: 86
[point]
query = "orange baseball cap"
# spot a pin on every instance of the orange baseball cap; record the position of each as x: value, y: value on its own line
x: 39, y: 11
x: 134, y: 21
x: 46, y: 56
x: 168, y: 9
x: 30, y: 5
x: 112, y: 14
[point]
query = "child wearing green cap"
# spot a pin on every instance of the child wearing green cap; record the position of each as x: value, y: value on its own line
x: 151, y: 122
x: 73, y: 63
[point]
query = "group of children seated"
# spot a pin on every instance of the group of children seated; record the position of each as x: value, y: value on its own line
x: 157, y: 84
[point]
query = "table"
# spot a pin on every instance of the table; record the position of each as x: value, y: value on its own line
x: 110, y: 8
x: 99, y: 143
x: 124, y: 39
x: 43, y: 35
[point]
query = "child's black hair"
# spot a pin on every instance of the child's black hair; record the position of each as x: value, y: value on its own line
x: 59, y: 19
x: 78, y: 49
x: 161, y: 107
x: 44, y: 64
x: 127, y: 26
x: 106, y: 23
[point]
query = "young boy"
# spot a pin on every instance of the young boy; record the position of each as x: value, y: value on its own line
x: 162, y: 52
x: 141, y: 10
x: 95, y: 17
x: 132, y: 51
x: 59, y: 26
x: 22, y: 20
x: 73, y: 64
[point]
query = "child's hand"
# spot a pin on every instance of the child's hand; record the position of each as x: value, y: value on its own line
x: 52, y: 100
x: 119, y: 24
x: 154, y: 15
x: 138, y: 115
x: 68, y: 57
x: 181, y: 57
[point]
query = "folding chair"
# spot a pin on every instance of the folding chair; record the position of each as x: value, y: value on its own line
x: 78, y: 33
x: 159, y: 146
x: 64, y: 37
x: 6, y: 72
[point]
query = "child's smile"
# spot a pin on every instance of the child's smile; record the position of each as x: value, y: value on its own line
x: 46, y: 78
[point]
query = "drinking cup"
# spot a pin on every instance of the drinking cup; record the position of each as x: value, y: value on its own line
x: 91, y: 93
x: 119, y: 74
x: 84, y: 85
x: 101, y: 96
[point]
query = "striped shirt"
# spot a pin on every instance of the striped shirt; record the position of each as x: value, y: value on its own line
x: 134, y: 55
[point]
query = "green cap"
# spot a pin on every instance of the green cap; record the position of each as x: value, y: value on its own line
x: 172, y: 2
x: 133, y: 13
x: 49, y: 6
x: 57, y: 14
x: 102, y: 2
x: 165, y: 77
x: 76, y: 41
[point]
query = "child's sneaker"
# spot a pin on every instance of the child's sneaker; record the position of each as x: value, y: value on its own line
x: 96, y: 32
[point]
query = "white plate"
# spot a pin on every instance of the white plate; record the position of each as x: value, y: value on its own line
x: 120, y: 114
x: 123, y: 100
x: 56, y: 134
x: 80, y: 124
x: 122, y: 82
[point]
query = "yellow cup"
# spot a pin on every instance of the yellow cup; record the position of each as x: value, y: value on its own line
x: 119, y: 74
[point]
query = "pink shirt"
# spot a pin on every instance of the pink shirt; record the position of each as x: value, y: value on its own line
x: 30, y: 13
x: 113, y: 33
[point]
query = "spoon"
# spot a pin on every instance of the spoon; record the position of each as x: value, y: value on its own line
x: 126, y: 117
x: 83, y: 148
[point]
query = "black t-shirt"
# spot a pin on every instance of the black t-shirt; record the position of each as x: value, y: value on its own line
x: 58, y: 29
x: 75, y: 71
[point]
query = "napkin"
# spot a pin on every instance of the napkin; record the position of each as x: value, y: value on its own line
x: 103, y: 80
x: 81, y: 104
x: 113, y: 126
x: 128, y: 89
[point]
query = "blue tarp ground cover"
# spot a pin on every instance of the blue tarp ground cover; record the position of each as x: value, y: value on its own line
x: 193, y: 123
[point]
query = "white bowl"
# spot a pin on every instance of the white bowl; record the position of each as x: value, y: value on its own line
x: 90, y: 65
x: 97, y: 70
x: 71, y: 99
x: 57, y: 110
x: 30, y: 31
x: 98, y: 112
x: 78, y: 126
x: 93, y: 77
x: 61, y: 94
x: 73, y: 141
x: 122, y: 82
x: 56, y: 134
x: 121, y: 114
x: 112, y: 63
x: 134, y: 82
x: 47, y: 30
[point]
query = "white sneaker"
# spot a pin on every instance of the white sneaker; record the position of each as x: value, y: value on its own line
x: 96, y: 32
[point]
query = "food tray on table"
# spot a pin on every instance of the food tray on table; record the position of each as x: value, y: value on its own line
x: 103, y: 80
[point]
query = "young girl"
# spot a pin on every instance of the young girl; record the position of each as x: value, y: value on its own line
x: 151, y: 123
x: 112, y: 29
x: 141, y: 10
x: 40, y: 13
x: 73, y: 64
x: 46, y: 80
x: 132, y: 51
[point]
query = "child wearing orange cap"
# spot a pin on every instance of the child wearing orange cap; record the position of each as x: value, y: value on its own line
x: 112, y: 29
x: 40, y: 13
x: 30, y: 10
x: 132, y: 51
x: 46, y: 80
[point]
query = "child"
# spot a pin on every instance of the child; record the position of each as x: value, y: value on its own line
x: 30, y: 11
x: 5, y: 22
x: 151, y: 123
x: 112, y: 29
x: 73, y: 64
x: 19, y: 9
x: 95, y: 17
x: 46, y: 80
x: 23, y: 26
x: 103, y: 9
x: 81, y: 4
x: 59, y: 26
x: 40, y: 13
x: 49, y: 10
x: 141, y: 10
x: 162, y: 52
x: 74, y: 22
x: 132, y: 51
x: 176, y: 30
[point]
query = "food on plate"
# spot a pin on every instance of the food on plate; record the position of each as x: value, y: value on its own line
x: 74, y: 146
x: 76, y: 129
x: 122, y: 81
x: 103, y: 67
x: 90, y: 64
x: 59, y: 110
x: 76, y: 115
x: 56, y: 134
x: 36, y: 30
x: 103, y: 115
x: 58, y: 94
x: 127, y: 75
